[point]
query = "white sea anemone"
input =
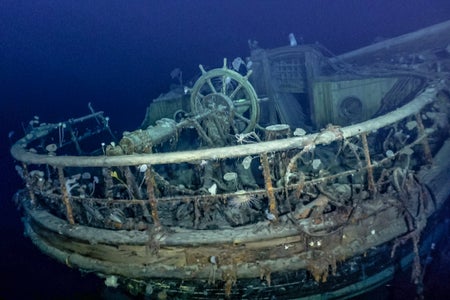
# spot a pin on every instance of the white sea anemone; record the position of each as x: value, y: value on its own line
x: 51, y: 148
x: 269, y: 216
x: 242, y: 199
x: 213, y: 189
x: 292, y: 40
x: 213, y: 260
x: 142, y: 168
x: 237, y: 62
x: 231, y: 179
x: 246, y: 162
x: 299, y: 132
x: 111, y: 281
x: 390, y: 153
x: 316, y: 163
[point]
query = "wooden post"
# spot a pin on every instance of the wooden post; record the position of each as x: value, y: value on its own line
x: 74, y: 138
x: 131, y: 183
x: 370, y: 181
x: 150, y: 181
x: 65, y: 195
x: 268, y: 184
x: 26, y: 176
x: 106, y: 172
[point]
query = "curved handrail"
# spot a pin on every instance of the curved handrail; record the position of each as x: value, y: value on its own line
x: 20, y: 152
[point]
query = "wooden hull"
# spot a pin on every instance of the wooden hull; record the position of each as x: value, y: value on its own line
x: 256, y: 261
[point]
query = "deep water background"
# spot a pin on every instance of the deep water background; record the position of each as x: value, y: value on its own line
x: 56, y: 56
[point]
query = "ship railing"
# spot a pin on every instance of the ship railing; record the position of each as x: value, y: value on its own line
x: 129, y: 191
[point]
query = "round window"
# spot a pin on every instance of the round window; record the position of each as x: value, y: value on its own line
x: 350, y: 109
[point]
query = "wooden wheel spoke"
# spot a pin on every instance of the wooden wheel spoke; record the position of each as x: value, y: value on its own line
x: 211, y: 86
x: 199, y: 101
x: 238, y: 103
x: 235, y: 91
x: 241, y: 117
x: 224, y: 84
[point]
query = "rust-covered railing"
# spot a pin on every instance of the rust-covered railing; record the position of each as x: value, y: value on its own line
x: 117, y: 191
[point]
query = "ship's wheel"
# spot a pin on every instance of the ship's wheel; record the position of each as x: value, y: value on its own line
x: 225, y: 91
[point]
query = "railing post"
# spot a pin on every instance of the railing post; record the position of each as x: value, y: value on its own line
x: 370, y: 181
x: 65, y: 195
x: 268, y: 185
x: 26, y: 176
x: 150, y: 182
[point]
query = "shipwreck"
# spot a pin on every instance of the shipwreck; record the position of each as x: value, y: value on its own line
x: 294, y: 174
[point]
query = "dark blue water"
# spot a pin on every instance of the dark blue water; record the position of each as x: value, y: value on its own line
x: 56, y: 56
